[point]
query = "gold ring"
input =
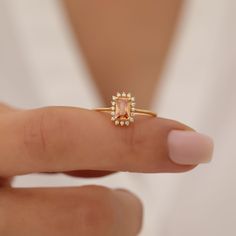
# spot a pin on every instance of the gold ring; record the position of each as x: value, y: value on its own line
x: 123, y: 109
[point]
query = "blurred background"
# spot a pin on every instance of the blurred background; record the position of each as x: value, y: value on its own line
x: 41, y: 64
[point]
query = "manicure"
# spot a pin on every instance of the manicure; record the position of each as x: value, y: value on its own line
x: 189, y: 147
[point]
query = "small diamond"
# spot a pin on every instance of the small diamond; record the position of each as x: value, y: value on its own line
x: 127, y: 122
x: 112, y: 113
x: 118, y: 94
x: 117, y: 122
x: 122, y: 123
x: 113, y: 103
x: 113, y: 97
x: 113, y: 118
x: 133, y: 99
x: 131, y: 119
x: 113, y: 108
x: 132, y: 109
x: 123, y: 94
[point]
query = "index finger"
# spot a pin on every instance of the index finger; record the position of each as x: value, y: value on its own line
x: 59, y: 139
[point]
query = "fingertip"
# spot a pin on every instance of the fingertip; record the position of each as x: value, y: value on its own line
x: 189, y: 148
x: 132, y: 216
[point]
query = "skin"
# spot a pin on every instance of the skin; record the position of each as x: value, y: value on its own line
x: 82, y: 142
x: 67, y: 139
x: 125, y: 42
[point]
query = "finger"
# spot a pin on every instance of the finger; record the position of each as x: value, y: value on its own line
x: 65, y: 139
x: 88, y: 210
x: 4, y: 108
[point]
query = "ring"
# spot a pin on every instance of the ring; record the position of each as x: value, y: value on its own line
x: 123, y: 109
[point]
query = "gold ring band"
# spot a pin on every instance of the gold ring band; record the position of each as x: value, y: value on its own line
x: 136, y: 111
x: 123, y: 109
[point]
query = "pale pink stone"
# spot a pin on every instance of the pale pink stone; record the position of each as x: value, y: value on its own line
x: 122, y: 108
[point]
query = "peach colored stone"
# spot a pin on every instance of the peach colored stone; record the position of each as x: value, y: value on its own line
x: 122, y: 108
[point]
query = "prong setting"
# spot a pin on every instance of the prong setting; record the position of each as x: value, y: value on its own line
x: 127, y: 123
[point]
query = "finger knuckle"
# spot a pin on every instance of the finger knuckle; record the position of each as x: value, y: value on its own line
x: 89, y: 211
x: 42, y: 134
x: 133, y: 141
x: 139, y: 143
x: 98, y: 212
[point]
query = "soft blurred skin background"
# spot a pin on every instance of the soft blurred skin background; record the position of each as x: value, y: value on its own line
x: 182, y: 55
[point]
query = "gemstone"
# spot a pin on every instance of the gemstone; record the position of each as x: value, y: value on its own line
x: 127, y: 122
x: 122, y: 123
x: 117, y: 122
x: 123, y: 109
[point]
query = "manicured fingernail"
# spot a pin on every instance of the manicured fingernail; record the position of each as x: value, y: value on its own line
x: 189, y: 147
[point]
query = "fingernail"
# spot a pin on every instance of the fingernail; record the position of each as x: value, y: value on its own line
x: 189, y: 147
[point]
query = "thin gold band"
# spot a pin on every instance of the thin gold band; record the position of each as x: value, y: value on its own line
x: 136, y: 111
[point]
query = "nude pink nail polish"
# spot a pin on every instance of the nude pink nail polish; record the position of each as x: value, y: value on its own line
x: 189, y: 147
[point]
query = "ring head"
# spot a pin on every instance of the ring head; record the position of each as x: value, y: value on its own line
x: 123, y: 107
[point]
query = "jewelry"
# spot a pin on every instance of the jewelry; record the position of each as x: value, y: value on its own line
x: 123, y: 109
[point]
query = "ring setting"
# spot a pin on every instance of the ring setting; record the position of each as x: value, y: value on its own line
x: 123, y: 109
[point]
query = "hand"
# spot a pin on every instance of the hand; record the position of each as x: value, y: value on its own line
x: 63, y: 139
